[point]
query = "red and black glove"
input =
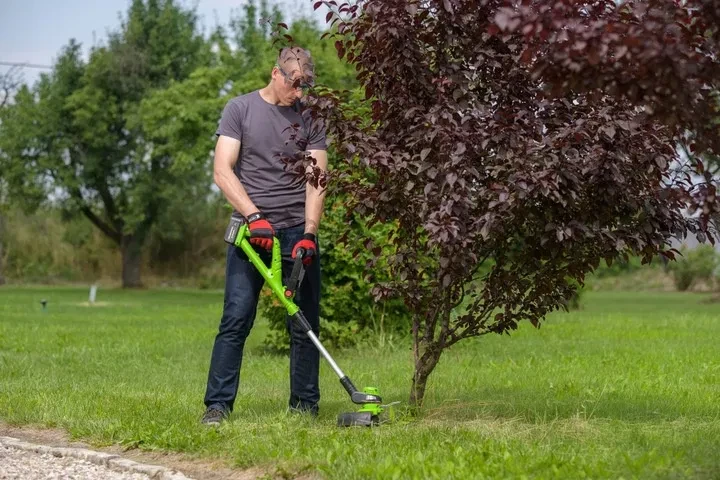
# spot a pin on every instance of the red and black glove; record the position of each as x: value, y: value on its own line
x: 261, y: 232
x: 308, y: 243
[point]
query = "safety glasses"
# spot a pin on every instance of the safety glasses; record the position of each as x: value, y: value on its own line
x: 296, y: 83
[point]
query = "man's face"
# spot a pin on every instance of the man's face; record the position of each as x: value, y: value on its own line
x: 289, y: 85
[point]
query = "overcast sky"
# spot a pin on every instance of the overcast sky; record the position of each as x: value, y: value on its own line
x: 34, y: 31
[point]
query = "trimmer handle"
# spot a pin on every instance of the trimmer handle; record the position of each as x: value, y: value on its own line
x: 298, y: 272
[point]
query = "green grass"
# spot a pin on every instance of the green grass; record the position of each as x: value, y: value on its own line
x: 629, y: 387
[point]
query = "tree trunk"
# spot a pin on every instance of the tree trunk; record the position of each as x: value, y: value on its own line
x: 423, y: 368
x: 131, y: 251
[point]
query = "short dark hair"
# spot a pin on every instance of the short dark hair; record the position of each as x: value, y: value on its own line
x: 289, y: 55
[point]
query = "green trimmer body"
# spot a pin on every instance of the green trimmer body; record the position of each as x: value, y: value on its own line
x: 370, y: 402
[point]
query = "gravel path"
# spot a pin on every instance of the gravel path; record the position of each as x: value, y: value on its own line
x: 24, y: 465
x: 24, y: 461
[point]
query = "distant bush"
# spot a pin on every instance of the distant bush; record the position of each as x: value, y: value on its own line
x: 619, y: 267
x: 697, y: 264
x: 575, y: 302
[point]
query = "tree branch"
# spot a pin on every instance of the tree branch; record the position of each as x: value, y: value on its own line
x: 109, y: 203
x: 105, y: 195
x: 9, y: 83
x: 432, y: 321
x: 97, y: 221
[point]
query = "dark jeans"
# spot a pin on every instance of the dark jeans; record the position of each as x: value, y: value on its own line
x: 242, y: 287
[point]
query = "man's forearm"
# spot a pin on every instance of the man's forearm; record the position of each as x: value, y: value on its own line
x: 314, y: 200
x: 234, y: 192
x: 315, y: 197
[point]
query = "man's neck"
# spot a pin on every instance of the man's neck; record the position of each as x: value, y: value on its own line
x: 267, y: 94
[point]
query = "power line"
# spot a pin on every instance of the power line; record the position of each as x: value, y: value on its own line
x: 28, y: 65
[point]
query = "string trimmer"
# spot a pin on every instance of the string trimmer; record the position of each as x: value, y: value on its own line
x: 237, y: 234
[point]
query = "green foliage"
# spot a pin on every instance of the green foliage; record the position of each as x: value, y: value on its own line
x: 184, y: 130
x: 77, y: 232
x: 162, y: 40
x: 185, y: 246
x: 349, y: 278
x: 698, y: 264
x: 349, y: 314
x: 336, y: 336
x: 34, y: 133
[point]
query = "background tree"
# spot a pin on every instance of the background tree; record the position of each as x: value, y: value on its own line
x: 69, y: 137
x: 10, y: 82
x: 478, y: 165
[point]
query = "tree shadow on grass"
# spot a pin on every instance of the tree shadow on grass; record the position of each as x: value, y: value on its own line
x: 534, y: 406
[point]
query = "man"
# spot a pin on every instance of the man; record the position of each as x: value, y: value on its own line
x: 255, y: 133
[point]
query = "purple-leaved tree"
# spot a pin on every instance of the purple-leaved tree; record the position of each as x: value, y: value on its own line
x: 514, y: 145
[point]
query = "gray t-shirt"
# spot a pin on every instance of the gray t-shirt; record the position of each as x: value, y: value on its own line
x: 265, y: 132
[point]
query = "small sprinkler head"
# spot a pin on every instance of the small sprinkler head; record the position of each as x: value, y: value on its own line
x: 44, y: 302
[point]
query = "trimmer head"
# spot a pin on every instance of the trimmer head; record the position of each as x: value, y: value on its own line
x: 358, y: 419
x: 369, y: 413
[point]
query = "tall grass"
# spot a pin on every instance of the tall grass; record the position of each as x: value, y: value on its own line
x: 42, y: 248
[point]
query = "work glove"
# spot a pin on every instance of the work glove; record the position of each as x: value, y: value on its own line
x: 310, y: 246
x: 261, y: 232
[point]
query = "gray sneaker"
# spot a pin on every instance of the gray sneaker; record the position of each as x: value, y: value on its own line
x: 214, y: 416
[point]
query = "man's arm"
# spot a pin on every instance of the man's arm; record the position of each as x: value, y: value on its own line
x: 314, y: 197
x: 227, y: 150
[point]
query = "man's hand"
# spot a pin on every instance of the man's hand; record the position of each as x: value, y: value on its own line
x: 261, y: 232
x: 308, y: 243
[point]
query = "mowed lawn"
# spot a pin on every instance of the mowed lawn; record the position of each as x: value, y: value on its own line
x: 628, y: 387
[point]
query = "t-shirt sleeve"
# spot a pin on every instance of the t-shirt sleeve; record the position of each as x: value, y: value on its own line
x: 231, y: 121
x: 317, y: 139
